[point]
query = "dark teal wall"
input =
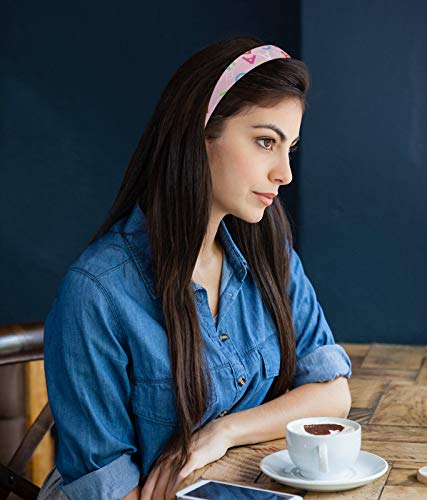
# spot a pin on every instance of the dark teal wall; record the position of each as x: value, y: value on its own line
x: 79, y: 82
x: 363, y: 171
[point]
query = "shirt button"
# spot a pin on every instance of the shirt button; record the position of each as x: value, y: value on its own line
x: 241, y: 381
x: 223, y: 413
x: 223, y: 336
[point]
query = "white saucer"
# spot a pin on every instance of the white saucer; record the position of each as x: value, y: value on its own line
x: 280, y: 467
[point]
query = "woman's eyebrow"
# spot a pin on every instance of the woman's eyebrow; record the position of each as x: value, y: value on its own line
x: 275, y: 129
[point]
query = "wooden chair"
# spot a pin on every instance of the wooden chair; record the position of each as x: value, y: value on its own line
x: 19, y: 344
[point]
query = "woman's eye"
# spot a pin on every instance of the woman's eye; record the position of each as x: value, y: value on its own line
x: 272, y: 142
x: 267, y: 139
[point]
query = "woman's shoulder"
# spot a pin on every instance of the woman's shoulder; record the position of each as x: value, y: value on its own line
x: 106, y: 277
x: 112, y: 251
x: 87, y: 305
x: 106, y: 253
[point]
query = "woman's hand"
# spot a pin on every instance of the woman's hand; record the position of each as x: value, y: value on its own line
x: 209, y: 443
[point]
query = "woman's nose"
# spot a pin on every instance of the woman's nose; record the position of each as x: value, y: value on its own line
x: 283, y: 173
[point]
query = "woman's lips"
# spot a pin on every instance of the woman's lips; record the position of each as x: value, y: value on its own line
x: 264, y: 199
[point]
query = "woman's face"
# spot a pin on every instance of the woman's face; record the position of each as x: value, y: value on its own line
x: 249, y: 157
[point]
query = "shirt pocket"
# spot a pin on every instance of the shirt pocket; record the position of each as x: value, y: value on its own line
x: 155, y: 400
x: 269, y: 351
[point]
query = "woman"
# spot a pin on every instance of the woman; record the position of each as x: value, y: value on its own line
x: 188, y: 325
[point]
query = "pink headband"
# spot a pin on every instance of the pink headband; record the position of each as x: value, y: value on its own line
x: 239, y: 67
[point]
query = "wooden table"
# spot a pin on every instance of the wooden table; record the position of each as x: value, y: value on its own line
x: 389, y: 400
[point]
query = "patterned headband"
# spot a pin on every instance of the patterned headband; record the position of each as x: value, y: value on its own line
x: 239, y: 67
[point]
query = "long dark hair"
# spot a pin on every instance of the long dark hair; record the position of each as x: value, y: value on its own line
x: 169, y: 176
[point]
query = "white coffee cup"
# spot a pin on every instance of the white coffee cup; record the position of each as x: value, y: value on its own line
x: 328, y: 456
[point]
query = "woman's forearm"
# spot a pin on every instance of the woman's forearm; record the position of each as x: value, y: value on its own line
x: 268, y: 421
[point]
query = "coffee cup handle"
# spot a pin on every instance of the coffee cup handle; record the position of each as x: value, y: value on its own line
x: 322, y: 451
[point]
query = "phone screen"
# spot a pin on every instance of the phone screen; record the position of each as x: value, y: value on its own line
x: 220, y: 491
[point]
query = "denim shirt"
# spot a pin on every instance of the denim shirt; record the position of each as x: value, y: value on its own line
x: 107, y: 364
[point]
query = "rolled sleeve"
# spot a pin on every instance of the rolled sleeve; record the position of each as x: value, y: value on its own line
x: 319, y: 358
x: 113, y: 481
x: 89, y: 392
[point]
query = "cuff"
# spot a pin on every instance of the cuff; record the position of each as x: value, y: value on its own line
x: 322, y: 365
x: 113, y: 481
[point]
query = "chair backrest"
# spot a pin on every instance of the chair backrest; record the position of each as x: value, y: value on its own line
x: 21, y: 343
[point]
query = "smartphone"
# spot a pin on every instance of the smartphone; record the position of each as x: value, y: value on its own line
x: 218, y: 490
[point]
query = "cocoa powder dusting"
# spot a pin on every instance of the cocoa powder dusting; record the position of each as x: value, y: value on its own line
x: 322, y: 429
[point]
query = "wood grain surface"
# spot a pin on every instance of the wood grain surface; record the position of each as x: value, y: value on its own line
x: 389, y: 400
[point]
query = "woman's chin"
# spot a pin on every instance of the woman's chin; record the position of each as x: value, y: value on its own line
x: 253, y: 217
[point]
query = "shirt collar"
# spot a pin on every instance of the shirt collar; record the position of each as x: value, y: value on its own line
x: 136, y: 236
